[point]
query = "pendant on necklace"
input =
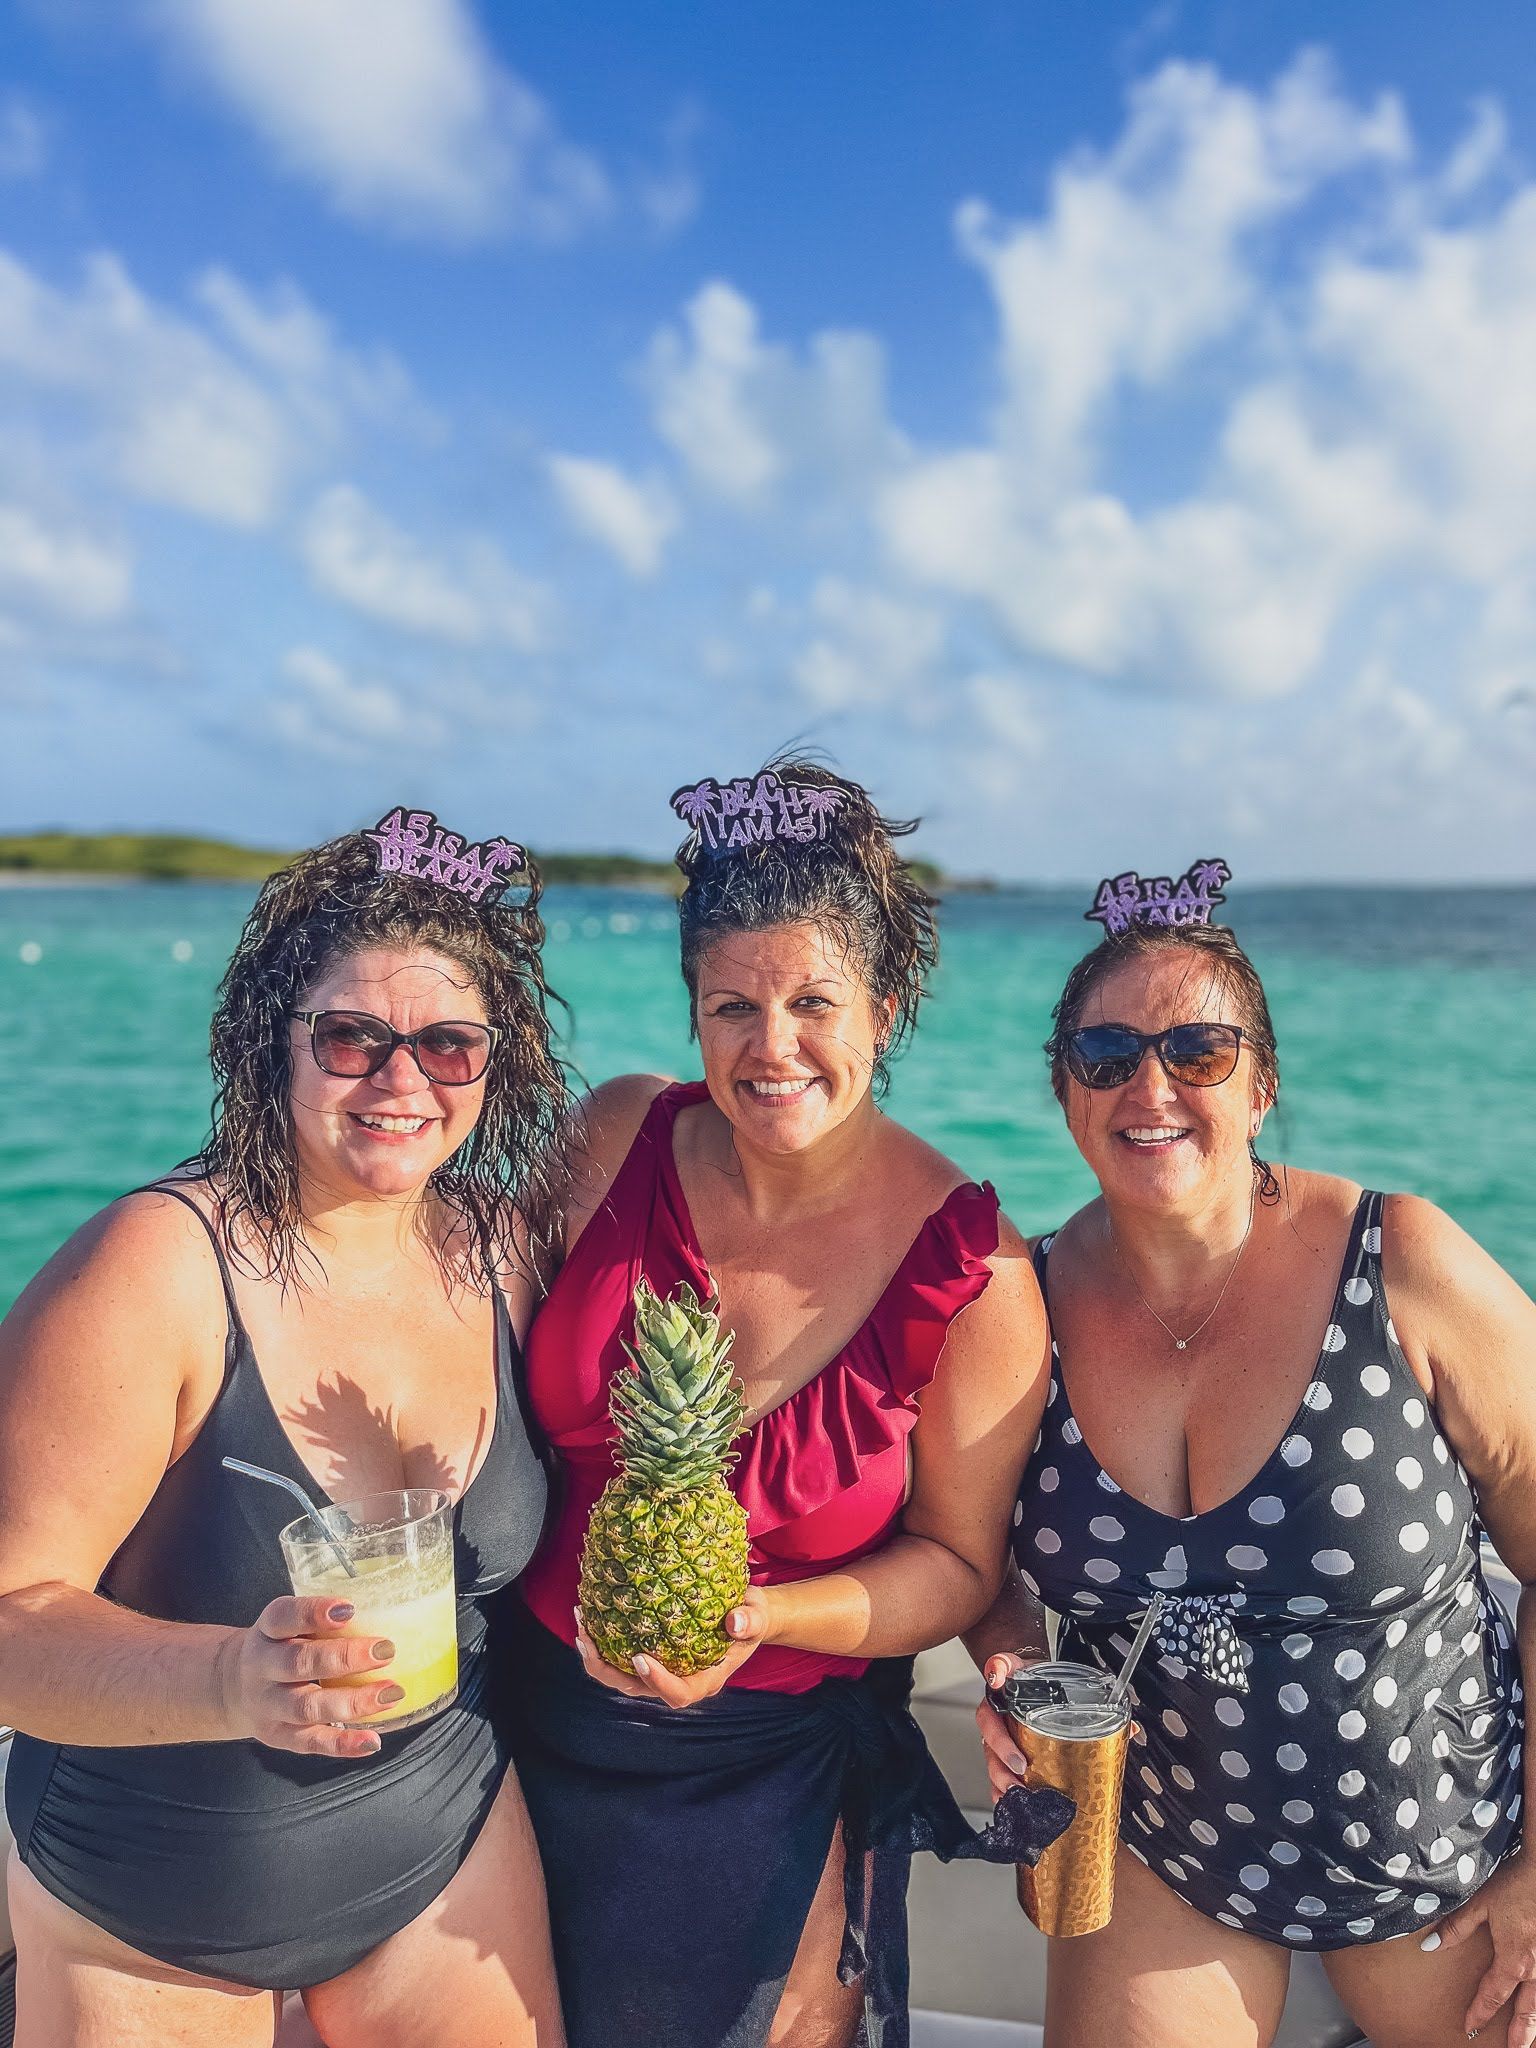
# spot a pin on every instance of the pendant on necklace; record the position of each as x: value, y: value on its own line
x: 1180, y: 1343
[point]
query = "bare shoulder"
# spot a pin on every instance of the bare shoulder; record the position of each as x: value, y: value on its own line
x: 109, y: 1354
x: 1319, y: 1207
x: 1013, y: 1271
x: 604, y: 1125
x: 1006, y: 1324
x: 1440, y: 1279
x: 924, y: 1166
x: 1419, y: 1238
x: 137, y: 1279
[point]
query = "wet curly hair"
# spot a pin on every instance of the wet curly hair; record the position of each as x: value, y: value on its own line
x: 853, y: 885
x: 332, y: 902
x: 1236, y: 979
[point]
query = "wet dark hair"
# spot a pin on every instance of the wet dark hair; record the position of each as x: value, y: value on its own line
x: 1235, y: 976
x: 853, y: 885
x: 330, y: 903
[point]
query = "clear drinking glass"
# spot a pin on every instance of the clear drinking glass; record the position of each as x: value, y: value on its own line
x: 400, y: 1546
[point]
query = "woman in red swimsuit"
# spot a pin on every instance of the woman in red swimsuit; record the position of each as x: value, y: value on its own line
x: 892, y: 1342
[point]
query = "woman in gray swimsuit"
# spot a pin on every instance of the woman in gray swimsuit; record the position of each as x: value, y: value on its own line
x: 336, y: 1290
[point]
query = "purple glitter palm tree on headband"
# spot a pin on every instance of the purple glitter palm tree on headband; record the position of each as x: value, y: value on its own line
x: 412, y: 843
x: 732, y: 816
x: 1123, y: 900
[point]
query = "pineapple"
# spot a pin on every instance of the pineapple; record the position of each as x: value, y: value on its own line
x: 665, y: 1557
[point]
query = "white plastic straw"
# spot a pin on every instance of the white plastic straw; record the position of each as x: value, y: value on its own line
x: 1122, y: 1684
x: 292, y: 1486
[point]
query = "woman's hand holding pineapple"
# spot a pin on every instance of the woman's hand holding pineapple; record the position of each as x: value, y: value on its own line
x: 746, y: 1626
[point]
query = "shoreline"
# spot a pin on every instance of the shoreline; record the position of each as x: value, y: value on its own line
x: 73, y: 878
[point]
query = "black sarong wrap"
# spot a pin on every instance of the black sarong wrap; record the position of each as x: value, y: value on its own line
x: 682, y: 1850
x: 897, y: 1802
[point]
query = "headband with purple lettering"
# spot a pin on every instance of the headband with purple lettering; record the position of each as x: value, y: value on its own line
x: 413, y: 843
x: 730, y: 816
x: 1123, y: 900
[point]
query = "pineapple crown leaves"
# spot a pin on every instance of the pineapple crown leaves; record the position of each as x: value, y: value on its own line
x: 678, y: 1412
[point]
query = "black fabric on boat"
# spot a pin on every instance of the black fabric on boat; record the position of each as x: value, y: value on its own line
x: 682, y: 1850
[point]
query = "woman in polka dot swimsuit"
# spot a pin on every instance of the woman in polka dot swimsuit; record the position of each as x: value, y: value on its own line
x: 1329, y: 1748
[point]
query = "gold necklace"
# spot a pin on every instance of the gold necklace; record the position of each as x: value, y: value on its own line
x: 1183, y: 1343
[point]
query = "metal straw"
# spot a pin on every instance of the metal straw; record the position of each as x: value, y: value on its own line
x: 292, y: 1486
x: 1122, y: 1684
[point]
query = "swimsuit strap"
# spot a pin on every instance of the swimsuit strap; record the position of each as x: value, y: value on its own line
x: 236, y: 1325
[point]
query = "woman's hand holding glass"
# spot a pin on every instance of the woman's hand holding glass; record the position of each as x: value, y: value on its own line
x: 1006, y: 1765
x: 293, y: 1680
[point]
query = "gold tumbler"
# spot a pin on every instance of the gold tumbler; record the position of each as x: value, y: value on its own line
x: 1077, y: 1743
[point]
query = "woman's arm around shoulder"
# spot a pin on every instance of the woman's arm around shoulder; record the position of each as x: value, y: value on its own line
x: 603, y: 1126
x: 1468, y: 1330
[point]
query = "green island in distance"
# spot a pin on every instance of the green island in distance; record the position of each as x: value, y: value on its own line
x: 180, y: 857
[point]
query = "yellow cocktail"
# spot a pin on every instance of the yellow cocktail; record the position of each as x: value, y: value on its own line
x: 400, y: 1547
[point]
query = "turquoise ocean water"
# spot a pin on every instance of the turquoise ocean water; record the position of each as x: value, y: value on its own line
x: 1405, y: 1021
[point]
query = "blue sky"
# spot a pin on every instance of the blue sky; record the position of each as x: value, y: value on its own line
x: 1109, y: 431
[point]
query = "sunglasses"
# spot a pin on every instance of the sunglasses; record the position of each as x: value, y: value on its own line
x: 350, y: 1044
x: 1199, y: 1055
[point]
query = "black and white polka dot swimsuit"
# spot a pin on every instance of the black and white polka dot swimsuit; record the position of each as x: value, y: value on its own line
x: 1331, y: 1711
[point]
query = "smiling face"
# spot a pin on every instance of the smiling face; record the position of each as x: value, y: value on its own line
x: 382, y: 1135
x: 789, y: 1034
x: 1157, y: 1143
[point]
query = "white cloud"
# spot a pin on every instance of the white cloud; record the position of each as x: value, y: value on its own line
x: 743, y: 413
x: 1144, y: 256
x: 63, y: 572
x: 1388, y: 440
x: 23, y: 138
x: 157, y: 403
x: 634, y: 521
x: 474, y: 597
x: 1008, y: 714
x: 286, y: 337
x: 873, y: 647
x: 399, y: 112
x: 1481, y: 151
x: 668, y: 192
x: 1438, y: 347
x: 324, y: 709
x: 703, y: 394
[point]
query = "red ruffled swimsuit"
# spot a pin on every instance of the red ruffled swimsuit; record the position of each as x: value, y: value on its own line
x: 823, y: 1476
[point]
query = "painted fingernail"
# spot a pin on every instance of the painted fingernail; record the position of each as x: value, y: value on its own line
x: 640, y: 1666
x: 383, y: 1652
x: 1432, y: 1941
x: 342, y: 1611
x: 390, y: 1693
x: 1017, y: 1764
